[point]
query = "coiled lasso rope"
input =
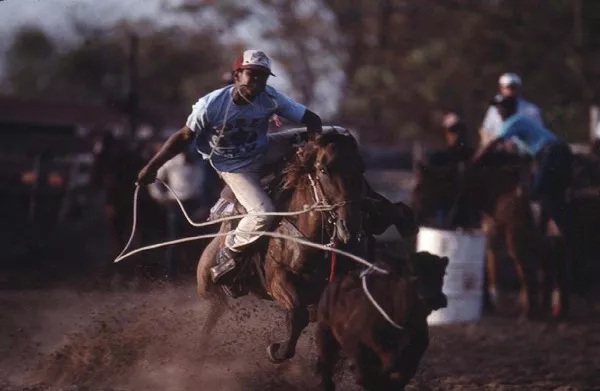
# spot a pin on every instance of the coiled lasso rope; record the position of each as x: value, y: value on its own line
x: 315, y: 207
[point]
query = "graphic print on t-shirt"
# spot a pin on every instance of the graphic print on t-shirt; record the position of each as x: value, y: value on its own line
x: 239, y: 138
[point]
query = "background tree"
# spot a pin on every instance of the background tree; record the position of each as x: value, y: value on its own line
x: 393, y: 65
x: 29, y: 62
x: 175, y: 65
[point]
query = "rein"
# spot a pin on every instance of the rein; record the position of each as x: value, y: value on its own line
x: 316, y: 186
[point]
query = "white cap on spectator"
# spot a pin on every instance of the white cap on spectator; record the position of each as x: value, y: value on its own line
x: 450, y: 119
x: 509, y: 79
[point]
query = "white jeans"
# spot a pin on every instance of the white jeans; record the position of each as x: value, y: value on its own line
x: 245, y: 185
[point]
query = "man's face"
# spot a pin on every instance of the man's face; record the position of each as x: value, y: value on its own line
x: 509, y: 90
x: 251, y: 82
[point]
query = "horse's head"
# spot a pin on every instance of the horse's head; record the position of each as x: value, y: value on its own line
x: 334, y: 164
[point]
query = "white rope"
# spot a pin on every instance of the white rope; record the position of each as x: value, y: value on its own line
x: 317, y: 207
x: 265, y: 233
x: 363, y: 277
x: 122, y: 255
x: 133, y: 225
x: 308, y: 243
x: 275, y: 104
x: 371, y: 267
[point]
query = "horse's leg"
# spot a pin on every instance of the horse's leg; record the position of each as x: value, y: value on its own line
x: 328, y: 348
x: 492, y: 250
x: 549, y: 269
x: 297, y: 319
x: 208, y: 290
x: 491, y: 293
x: 284, y: 292
x: 526, y: 270
x: 562, y: 281
x: 208, y: 259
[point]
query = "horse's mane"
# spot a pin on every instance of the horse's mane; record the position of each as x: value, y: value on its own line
x: 300, y: 165
x: 303, y: 161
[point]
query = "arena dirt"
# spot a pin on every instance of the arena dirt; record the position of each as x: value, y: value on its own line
x: 66, y: 340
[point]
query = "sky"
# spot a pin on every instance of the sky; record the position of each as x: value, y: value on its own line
x: 54, y: 16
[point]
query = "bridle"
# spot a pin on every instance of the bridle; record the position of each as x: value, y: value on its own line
x: 319, y: 195
x: 329, y: 229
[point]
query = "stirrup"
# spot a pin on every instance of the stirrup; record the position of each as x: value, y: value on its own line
x: 222, y: 270
x: 222, y: 273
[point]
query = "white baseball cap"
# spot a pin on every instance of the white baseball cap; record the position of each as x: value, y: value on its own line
x: 450, y: 119
x: 509, y: 79
x: 253, y: 59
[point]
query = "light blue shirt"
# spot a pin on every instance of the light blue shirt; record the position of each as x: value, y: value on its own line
x: 532, y: 134
x: 492, y: 123
x: 244, y: 139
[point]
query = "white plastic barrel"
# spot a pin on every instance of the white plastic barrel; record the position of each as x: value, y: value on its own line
x: 463, y: 283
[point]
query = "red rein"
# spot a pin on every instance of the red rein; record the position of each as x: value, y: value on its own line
x: 333, y: 258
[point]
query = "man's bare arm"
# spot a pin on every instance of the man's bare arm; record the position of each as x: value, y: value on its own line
x: 174, y: 145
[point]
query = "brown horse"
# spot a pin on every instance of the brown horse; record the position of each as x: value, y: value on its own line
x: 327, y: 169
x: 493, y: 186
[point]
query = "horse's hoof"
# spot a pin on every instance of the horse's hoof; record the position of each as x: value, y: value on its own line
x: 273, y: 350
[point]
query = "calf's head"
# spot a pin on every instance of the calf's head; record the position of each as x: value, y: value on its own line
x: 430, y: 270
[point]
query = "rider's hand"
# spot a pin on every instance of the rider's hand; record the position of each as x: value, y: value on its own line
x: 146, y: 176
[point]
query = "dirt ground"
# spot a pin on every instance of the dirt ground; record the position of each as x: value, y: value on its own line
x: 66, y: 340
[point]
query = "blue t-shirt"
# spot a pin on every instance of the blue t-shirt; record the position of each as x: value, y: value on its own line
x: 532, y: 134
x: 245, y: 138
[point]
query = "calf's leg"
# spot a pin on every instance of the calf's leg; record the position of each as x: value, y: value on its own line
x: 328, y: 349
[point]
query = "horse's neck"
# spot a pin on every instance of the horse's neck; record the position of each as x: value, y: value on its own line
x: 309, y: 223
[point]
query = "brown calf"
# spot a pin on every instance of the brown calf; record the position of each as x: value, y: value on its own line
x: 385, y: 357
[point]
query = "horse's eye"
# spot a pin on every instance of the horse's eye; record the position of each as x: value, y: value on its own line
x: 323, y: 170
